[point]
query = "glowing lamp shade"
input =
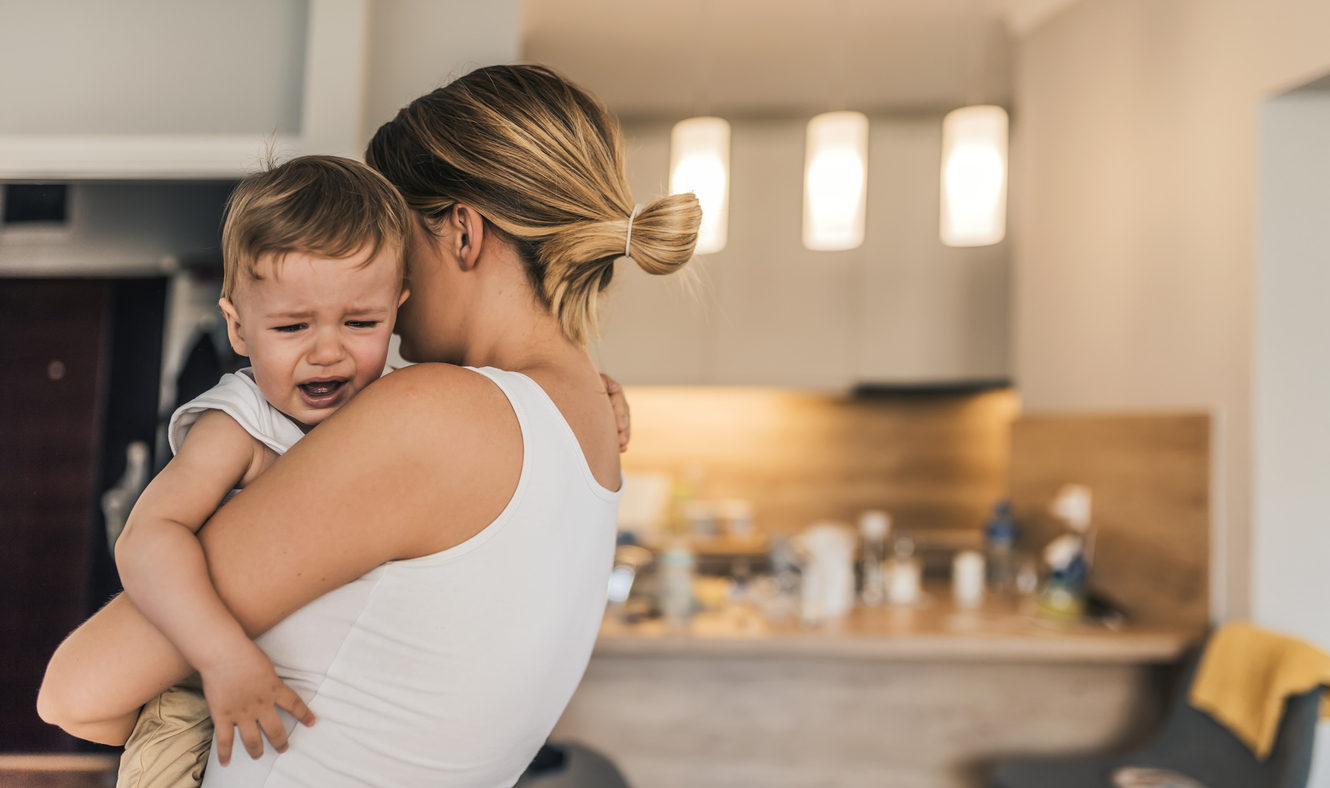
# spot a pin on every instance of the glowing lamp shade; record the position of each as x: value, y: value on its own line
x: 700, y: 163
x: 835, y: 181
x: 974, y: 176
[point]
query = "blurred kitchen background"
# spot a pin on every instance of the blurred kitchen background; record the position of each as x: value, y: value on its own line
x: 999, y: 381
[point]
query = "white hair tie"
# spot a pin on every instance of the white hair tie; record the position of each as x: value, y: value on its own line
x: 628, y: 241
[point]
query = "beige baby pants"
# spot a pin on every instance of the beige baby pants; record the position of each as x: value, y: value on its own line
x: 170, y: 743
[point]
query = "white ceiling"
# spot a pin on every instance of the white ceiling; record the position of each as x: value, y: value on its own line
x: 654, y: 59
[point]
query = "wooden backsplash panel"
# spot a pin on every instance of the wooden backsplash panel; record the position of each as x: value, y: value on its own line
x: 932, y: 461
x: 1150, y: 478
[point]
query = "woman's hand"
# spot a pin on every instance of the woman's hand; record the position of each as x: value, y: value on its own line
x: 619, y: 402
x: 244, y: 692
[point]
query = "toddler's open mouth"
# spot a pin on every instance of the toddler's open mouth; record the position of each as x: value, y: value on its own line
x: 322, y: 393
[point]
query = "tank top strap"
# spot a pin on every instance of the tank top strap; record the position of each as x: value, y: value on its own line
x: 542, y: 421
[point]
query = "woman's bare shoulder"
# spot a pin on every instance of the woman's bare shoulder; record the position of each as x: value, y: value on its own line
x: 430, y: 395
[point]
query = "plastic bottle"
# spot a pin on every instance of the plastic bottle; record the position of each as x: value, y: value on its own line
x: 1000, y: 548
x: 873, y: 528
x: 677, y: 564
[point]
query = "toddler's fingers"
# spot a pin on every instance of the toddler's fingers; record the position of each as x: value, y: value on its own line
x: 611, y: 385
x: 225, y: 734
x: 289, y: 700
x: 249, y: 734
x: 272, y: 727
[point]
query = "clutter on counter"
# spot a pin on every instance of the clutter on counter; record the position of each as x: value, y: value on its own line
x: 690, y: 562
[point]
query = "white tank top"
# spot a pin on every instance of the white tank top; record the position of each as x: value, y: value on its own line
x: 451, y: 669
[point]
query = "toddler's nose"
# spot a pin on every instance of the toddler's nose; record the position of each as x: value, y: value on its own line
x: 327, y: 349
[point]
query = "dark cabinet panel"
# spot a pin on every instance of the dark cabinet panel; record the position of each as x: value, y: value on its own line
x: 52, y: 356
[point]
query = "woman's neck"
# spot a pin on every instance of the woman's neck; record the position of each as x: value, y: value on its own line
x: 508, y: 329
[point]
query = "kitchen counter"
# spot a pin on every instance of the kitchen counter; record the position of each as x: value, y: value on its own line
x: 934, y: 631
x: 923, y: 697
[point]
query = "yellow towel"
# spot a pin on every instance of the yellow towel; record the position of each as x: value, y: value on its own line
x: 1246, y: 674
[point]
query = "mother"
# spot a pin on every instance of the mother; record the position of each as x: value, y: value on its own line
x: 428, y: 567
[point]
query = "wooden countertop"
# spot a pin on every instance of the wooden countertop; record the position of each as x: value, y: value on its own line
x: 933, y: 631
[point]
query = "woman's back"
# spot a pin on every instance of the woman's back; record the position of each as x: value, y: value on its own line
x: 452, y: 669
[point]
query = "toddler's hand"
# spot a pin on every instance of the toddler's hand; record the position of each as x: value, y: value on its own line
x: 244, y: 692
x: 620, y: 404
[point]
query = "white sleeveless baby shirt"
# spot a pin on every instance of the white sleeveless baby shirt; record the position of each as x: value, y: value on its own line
x: 451, y: 669
x: 238, y: 396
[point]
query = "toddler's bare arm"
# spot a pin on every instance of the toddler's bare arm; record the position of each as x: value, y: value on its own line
x: 160, y: 561
x: 163, y: 569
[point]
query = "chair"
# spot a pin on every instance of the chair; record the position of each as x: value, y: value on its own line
x: 570, y: 766
x: 1191, y: 743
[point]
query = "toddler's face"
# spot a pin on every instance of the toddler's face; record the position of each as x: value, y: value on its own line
x: 315, y: 329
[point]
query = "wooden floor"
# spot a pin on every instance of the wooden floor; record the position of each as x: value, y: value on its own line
x: 58, y: 771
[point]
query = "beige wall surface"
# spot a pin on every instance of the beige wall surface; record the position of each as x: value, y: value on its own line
x: 418, y: 45
x: 1137, y: 172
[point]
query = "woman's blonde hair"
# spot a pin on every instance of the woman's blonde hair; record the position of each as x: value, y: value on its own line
x: 541, y: 160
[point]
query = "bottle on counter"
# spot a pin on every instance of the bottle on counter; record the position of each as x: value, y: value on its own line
x: 967, y: 579
x: 1000, y: 549
x: 675, y: 581
x: 873, y: 529
x: 904, y: 574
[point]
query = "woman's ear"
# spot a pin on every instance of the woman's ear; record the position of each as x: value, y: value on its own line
x: 233, y: 330
x: 470, y: 229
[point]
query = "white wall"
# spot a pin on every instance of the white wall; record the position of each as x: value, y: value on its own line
x: 1291, y: 526
x: 1135, y: 268
x: 1292, y: 409
x: 151, y: 66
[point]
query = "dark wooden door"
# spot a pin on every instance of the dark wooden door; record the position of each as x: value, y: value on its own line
x: 52, y: 343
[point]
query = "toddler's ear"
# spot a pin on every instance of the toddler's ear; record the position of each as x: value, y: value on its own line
x: 233, y: 330
x: 405, y: 294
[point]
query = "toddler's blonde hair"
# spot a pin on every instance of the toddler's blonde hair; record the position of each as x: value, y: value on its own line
x: 322, y: 205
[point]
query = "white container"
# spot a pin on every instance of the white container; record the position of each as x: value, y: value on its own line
x: 967, y: 579
x: 903, y: 581
x: 904, y: 574
x: 826, y: 553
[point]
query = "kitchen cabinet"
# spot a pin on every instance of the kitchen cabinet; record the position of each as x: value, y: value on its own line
x: 160, y: 89
x: 50, y: 356
x: 901, y: 310
x: 80, y: 359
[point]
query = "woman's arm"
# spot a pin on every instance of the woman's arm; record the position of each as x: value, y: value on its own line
x: 421, y: 461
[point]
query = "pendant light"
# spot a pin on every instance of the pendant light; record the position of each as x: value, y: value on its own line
x: 974, y: 160
x: 974, y: 176
x: 700, y: 163
x: 700, y: 149
x: 835, y: 181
